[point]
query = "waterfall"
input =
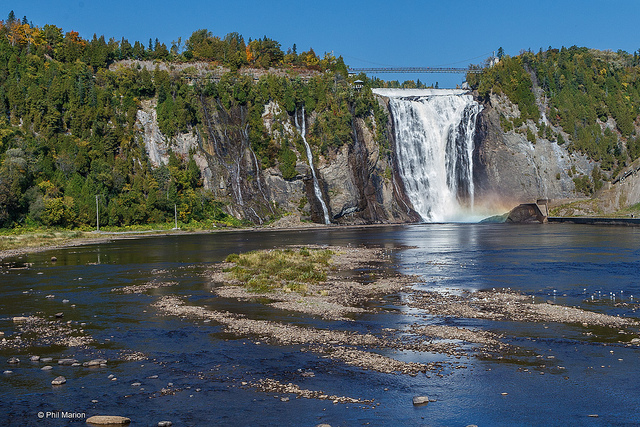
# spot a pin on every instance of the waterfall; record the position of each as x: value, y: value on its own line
x: 434, y: 132
x: 316, y: 186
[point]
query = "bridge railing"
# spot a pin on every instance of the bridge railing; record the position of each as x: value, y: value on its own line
x: 415, y: 70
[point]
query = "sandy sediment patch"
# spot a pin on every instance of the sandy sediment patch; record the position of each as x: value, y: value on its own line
x: 269, y: 385
x: 139, y: 289
x: 337, y: 345
x: 314, y: 304
x: 508, y: 305
x: 455, y: 333
x: 374, y: 361
x: 280, y: 333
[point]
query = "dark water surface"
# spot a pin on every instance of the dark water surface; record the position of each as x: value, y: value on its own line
x: 587, y: 370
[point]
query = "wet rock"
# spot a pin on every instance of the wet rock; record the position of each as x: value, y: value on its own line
x: 323, y: 425
x: 136, y: 384
x: 13, y: 361
x: 59, y: 315
x: 54, y: 259
x: 67, y: 362
x: 46, y: 359
x: 59, y: 380
x: 95, y: 362
x: 65, y: 301
x: 1, y: 334
x: 35, y: 358
x: 108, y: 419
x: 18, y: 319
x: 7, y: 372
x: 165, y: 424
x: 420, y: 400
x: 50, y: 296
x: 46, y: 368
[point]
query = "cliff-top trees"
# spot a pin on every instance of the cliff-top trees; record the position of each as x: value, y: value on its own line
x: 586, y: 91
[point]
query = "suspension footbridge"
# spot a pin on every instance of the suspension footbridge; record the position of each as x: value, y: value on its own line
x: 446, y: 70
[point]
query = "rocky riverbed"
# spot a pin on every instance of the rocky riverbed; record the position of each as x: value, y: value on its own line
x: 343, y: 296
x: 363, y: 319
x: 509, y: 305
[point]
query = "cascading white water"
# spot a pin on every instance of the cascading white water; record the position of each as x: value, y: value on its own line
x: 434, y: 132
x: 316, y: 186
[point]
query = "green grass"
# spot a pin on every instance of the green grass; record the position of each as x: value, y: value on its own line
x: 286, y: 269
x: 30, y: 235
x: 15, y: 239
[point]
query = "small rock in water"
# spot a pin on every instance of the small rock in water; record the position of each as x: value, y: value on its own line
x: 50, y: 296
x: 35, y: 358
x: 420, y: 400
x: 13, y: 361
x: 108, y: 419
x: 152, y: 377
x: 593, y: 415
x: 95, y: 362
x: 59, y: 315
x: 20, y: 319
x: 284, y: 399
x: 53, y: 259
x: 65, y: 301
x: 165, y: 424
x: 1, y: 334
x: 136, y: 384
x: 67, y: 362
x: 46, y: 368
x: 8, y: 372
x: 46, y: 359
x: 59, y: 380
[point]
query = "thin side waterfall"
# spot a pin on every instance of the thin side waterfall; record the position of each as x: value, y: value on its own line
x: 316, y: 185
x: 434, y: 133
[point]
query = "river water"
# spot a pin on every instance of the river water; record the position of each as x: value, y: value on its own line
x: 587, y: 372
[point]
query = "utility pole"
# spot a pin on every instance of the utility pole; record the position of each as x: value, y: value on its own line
x: 175, y: 213
x: 97, y: 215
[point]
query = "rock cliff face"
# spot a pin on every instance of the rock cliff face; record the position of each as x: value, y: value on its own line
x: 510, y: 168
x: 358, y: 182
x: 363, y: 185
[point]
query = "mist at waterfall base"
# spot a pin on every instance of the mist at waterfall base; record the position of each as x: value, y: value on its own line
x: 434, y: 135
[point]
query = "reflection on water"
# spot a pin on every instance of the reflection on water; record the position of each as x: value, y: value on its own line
x: 572, y: 375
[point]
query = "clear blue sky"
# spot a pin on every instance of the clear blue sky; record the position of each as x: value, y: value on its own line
x: 365, y: 33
